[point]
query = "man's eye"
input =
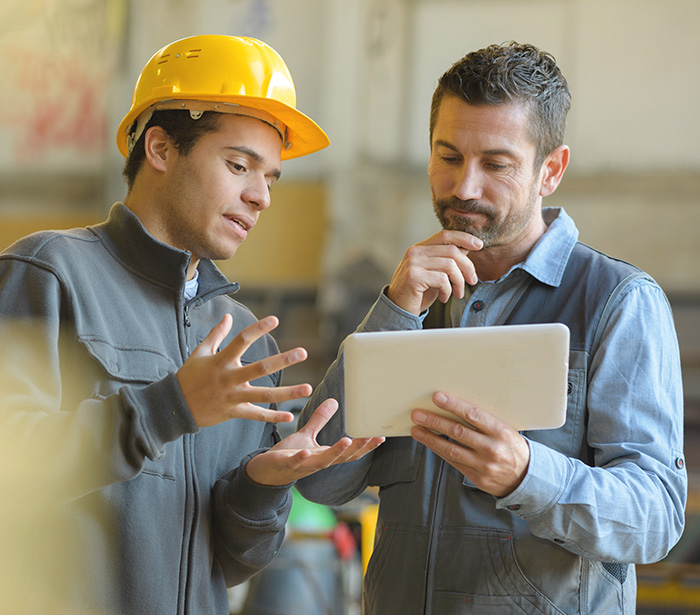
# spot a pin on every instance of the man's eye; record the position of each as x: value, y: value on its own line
x: 449, y: 159
x: 239, y: 168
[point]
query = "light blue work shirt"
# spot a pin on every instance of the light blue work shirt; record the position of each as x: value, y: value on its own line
x: 625, y: 505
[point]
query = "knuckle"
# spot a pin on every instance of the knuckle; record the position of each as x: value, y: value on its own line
x: 249, y: 333
x: 411, y: 251
x: 267, y: 395
x: 458, y: 431
x: 453, y: 451
x: 266, y: 366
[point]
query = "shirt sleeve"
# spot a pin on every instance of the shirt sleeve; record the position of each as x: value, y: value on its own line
x: 343, y: 482
x: 628, y: 505
x: 249, y: 522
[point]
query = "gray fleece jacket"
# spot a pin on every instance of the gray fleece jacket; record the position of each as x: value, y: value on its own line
x: 119, y: 503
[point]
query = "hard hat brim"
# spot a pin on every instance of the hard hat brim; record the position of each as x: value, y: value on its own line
x: 306, y: 137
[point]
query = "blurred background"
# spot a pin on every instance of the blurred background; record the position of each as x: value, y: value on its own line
x: 342, y: 218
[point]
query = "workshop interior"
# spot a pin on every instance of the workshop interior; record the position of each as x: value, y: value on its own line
x: 342, y: 218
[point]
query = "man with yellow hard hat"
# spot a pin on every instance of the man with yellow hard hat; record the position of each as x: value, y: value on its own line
x: 137, y: 397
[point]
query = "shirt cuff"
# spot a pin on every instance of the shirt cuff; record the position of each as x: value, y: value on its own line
x: 254, y: 501
x: 543, y: 485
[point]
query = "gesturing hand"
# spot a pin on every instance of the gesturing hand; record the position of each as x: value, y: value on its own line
x: 216, y: 385
x: 299, y: 454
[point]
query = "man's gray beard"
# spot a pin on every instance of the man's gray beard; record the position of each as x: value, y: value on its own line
x: 487, y: 233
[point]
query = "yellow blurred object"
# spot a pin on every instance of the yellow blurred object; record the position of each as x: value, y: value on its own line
x: 672, y: 586
x: 368, y: 525
x: 227, y: 74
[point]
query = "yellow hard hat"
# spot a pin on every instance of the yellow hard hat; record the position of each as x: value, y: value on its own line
x: 229, y: 74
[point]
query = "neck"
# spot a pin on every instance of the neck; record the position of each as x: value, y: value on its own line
x: 493, y: 262
x: 145, y: 212
x: 192, y: 269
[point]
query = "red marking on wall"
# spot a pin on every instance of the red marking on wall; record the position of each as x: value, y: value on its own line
x: 55, y: 102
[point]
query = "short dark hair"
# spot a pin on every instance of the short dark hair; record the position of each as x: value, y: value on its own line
x: 181, y: 128
x: 511, y: 72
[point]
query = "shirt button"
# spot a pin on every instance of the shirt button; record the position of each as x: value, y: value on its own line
x: 477, y: 306
x: 514, y: 507
x: 680, y: 463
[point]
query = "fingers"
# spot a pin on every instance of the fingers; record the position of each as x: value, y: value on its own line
x: 267, y: 366
x: 320, y: 417
x: 434, y: 269
x: 231, y: 354
x: 466, y: 424
x: 346, y: 449
x: 448, y: 259
x: 358, y: 448
x: 307, y: 461
x: 458, y: 238
x: 265, y: 415
x: 487, y: 451
x: 211, y: 343
x: 247, y: 337
x: 217, y: 385
x: 281, y: 465
x: 266, y: 395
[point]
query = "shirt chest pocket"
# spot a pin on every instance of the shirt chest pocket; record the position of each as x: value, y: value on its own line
x: 570, y: 438
x: 126, y: 364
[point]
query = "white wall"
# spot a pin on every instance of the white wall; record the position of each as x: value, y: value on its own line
x: 365, y: 70
x: 633, y: 67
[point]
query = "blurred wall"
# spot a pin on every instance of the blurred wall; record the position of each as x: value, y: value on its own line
x: 365, y: 71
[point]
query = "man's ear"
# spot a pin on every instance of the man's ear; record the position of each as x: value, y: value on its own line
x: 553, y: 169
x: 158, y: 147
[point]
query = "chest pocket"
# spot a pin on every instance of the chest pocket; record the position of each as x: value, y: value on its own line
x: 125, y: 365
x: 129, y: 364
x: 396, y: 461
x: 569, y: 439
x: 114, y: 367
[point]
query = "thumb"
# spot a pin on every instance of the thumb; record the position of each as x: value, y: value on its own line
x: 321, y: 416
x: 210, y: 344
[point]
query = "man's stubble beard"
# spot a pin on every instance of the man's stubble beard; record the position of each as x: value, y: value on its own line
x: 497, y: 230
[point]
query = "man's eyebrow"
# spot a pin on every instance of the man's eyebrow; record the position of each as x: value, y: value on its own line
x: 488, y: 152
x: 446, y: 144
x: 253, y: 155
x: 500, y: 152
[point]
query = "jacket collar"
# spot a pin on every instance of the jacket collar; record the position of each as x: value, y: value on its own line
x: 131, y: 244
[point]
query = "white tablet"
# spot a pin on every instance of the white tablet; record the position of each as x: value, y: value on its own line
x: 516, y: 372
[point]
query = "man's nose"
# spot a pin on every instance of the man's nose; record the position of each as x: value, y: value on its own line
x: 469, y: 184
x: 257, y: 192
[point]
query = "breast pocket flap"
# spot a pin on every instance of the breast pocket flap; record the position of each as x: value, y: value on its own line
x: 129, y: 364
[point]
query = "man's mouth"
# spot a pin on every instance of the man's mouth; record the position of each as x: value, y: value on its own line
x: 246, y: 225
x: 466, y: 208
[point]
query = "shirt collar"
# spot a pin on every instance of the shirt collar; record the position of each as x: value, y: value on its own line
x: 548, y: 259
x: 191, y: 286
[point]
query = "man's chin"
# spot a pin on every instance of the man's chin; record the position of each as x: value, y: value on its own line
x: 222, y: 253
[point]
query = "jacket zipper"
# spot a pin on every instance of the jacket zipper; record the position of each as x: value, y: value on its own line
x: 190, y: 499
x: 434, y: 522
